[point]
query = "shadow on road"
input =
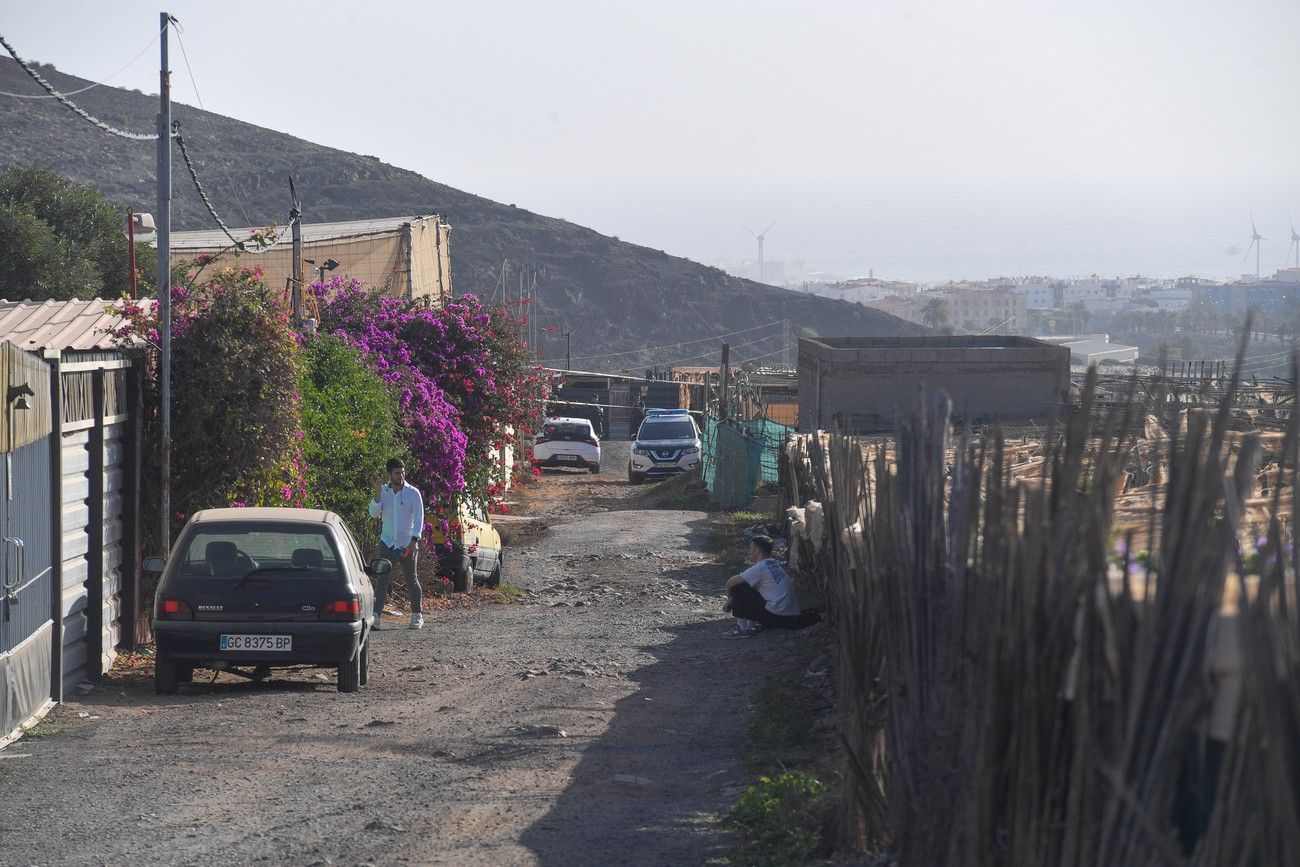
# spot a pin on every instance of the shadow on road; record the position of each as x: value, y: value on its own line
x: 651, y: 789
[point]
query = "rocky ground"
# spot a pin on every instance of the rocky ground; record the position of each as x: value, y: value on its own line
x: 597, y: 721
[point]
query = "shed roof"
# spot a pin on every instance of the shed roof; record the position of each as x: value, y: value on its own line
x: 76, y: 325
x: 312, y: 233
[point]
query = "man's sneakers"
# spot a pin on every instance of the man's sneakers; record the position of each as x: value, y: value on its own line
x: 417, y: 621
x: 376, y: 623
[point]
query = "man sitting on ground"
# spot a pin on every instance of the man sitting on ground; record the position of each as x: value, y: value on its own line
x: 762, y: 596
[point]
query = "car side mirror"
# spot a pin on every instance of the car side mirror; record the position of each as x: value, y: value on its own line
x: 380, y: 566
x: 154, y: 565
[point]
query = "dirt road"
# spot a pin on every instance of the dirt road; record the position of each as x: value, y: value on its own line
x: 454, y: 752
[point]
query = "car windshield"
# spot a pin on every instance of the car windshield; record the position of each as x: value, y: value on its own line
x: 237, y: 550
x: 667, y: 430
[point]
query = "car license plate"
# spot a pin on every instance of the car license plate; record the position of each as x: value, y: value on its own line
x: 279, y: 643
x: 568, y: 457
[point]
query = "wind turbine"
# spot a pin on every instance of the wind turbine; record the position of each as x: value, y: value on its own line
x: 1295, y: 245
x: 759, y: 238
x: 1255, y: 238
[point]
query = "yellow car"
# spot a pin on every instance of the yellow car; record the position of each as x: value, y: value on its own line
x: 474, y: 555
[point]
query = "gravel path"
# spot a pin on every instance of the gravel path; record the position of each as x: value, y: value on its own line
x: 595, y: 723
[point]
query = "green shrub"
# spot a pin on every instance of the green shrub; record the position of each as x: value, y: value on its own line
x: 781, y: 820
x: 351, y: 429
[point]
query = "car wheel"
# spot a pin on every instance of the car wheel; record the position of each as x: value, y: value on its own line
x: 365, y: 664
x: 635, y: 478
x: 350, y: 673
x: 494, y: 580
x: 595, y: 470
x: 164, y: 677
x: 462, y: 580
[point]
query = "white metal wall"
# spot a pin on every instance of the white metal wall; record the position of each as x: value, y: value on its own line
x: 77, y: 643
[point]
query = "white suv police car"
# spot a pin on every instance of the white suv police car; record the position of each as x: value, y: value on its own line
x: 668, y: 442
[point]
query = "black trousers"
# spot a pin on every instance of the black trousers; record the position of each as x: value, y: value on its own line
x: 748, y: 603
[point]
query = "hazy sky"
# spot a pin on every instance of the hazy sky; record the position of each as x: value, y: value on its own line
x: 928, y: 136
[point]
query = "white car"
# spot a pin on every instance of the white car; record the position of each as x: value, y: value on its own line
x: 667, y: 443
x: 567, y: 442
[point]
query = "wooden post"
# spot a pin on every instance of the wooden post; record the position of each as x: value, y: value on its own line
x: 725, y: 401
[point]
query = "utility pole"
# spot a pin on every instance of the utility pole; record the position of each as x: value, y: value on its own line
x: 295, y: 223
x: 724, y: 400
x: 164, y: 228
x: 567, y: 347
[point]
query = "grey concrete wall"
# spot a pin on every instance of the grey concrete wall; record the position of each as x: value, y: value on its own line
x: 862, y: 383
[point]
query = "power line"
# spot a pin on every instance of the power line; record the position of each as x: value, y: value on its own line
x: 128, y: 65
x: 76, y: 109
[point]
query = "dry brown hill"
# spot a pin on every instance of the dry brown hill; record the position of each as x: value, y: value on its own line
x: 615, y: 296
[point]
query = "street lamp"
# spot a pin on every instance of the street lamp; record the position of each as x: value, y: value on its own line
x: 327, y: 265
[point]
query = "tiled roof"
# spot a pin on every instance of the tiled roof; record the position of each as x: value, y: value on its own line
x: 65, y: 325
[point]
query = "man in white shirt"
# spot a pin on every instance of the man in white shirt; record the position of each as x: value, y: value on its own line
x: 762, y: 596
x: 400, y: 509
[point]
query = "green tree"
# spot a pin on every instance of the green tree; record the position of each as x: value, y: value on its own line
x: 60, y: 239
x: 351, y: 427
x: 935, y: 313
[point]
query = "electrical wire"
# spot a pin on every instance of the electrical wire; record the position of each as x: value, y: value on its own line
x: 128, y: 65
x: 76, y: 109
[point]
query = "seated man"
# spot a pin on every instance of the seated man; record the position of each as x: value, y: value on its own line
x: 762, y: 595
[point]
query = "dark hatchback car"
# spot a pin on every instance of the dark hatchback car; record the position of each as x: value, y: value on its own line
x: 248, y: 590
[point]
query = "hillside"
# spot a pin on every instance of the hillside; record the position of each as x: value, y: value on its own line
x: 614, y: 296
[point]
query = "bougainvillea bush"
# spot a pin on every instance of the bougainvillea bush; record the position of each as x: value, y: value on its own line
x: 350, y: 416
x: 236, y: 366
x: 468, y: 384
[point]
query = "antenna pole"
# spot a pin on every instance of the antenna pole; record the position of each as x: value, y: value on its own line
x: 164, y: 229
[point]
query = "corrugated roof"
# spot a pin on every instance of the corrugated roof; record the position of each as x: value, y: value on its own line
x: 66, y: 325
x: 312, y: 233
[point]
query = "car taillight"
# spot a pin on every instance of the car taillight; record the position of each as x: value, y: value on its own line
x: 345, y: 606
x: 539, y: 440
x: 173, y: 609
x: 593, y: 441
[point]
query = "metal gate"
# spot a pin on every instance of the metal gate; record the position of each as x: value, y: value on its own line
x: 26, y: 576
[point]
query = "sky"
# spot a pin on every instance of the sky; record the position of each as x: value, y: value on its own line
x: 922, y: 140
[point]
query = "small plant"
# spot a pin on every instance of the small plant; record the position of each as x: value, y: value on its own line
x: 781, y: 820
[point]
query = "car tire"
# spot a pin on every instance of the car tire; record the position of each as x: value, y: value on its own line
x: 364, y: 653
x: 494, y: 580
x: 635, y: 478
x: 462, y: 580
x: 164, y: 677
x: 350, y: 673
x: 595, y: 470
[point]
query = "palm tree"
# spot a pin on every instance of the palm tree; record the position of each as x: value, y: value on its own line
x: 935, y: 313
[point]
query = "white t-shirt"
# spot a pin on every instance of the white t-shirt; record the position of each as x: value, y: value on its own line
x: 769, y: 578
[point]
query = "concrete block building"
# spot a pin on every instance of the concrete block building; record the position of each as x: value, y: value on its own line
x: 859, y: 384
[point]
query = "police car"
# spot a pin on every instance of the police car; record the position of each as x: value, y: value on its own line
x: 668, y: 442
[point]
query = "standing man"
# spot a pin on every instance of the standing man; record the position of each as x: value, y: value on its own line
x: 598, y: 417
x: 762, y: 596
x: 400, y: 509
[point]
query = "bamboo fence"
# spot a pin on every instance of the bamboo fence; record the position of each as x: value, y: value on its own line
x: 1077, y: 650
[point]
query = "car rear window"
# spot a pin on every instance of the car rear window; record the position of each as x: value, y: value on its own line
x: 567, y: 428
x: 235, y: 550
x: 667, y: 430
